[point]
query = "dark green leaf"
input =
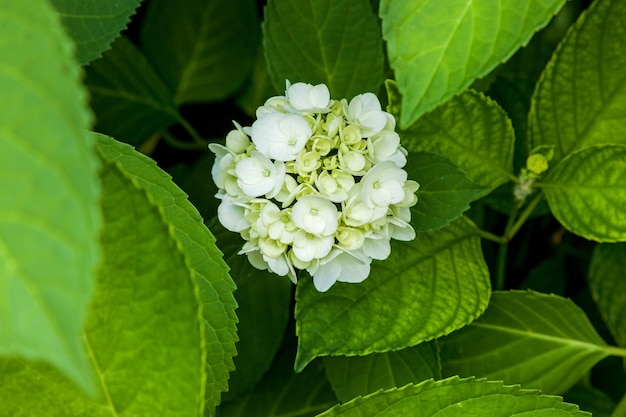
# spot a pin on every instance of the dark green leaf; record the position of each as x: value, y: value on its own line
x: 335, y: 42
x: 425, y: 289
x: 353, y: 376
x: 49, y: 214
x: 94, y: 24
x: 203, y: 49
x: 537, y: 340
x: 129, y: 99
x: 581, y: 97
x: 444, y: 194
x: 437, y: 48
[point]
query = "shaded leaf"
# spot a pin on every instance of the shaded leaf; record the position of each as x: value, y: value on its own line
x: 606, y: 279
x: 335, y: 42
x: 129, y: 99
x: 444, y: 194
x: 49, y: 215
x: 425, y: 289
x: 537, y: 340
x: 353, y: 376
x: 581, y: 97
x: 471, y: 130
x: 586, y: 192
x: 203, y: 49
x: 464, y: 40
x: 457, y: 397
x: 93, y: 24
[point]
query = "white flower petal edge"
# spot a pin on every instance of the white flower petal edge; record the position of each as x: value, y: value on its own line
x: 342, y: 266
x: 308, y: 98
x: 281, y: 136
x: 257, y: 175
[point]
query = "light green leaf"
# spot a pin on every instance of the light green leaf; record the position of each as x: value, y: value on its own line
x: 335, y: 42
x: 437, y: 48
x: 283, y: 393
x: 354, y: 376
x: 606, y: 279
x: 471, y: 130
x: 203, y: 49
x: 444, y: 194
x: 264, y: 308
x: 202, y: 257
x: 129, y: 99
x: 456, y: 397
x: 49, y: 215
x: 586, y: 192
x: 145, y: 331
x: 425, y: 289
x: 581, y: 97
x: 94, y: 24
x: 537, y: 340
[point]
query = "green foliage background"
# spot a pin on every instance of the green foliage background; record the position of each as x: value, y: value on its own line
x: 116, y: 298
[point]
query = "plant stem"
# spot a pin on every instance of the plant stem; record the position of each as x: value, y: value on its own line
x: 616, y: 351
x: 513, y: 228
x: 490, y: 236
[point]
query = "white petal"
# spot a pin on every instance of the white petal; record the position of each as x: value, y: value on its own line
x: 231, y: 215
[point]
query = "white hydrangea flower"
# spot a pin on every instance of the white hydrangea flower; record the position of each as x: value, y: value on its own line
x: 315, y: 184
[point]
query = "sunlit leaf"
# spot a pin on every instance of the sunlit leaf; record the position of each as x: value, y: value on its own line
x: 437, y: 48
x: 426, y: 288
x: 94, y: 24
x: 353, y: 376
x: 581, y: 97
x: 49, y: 215
x: 471, y: 130
x: 456, y: 397
x: 203, y: 49
x: 335, y: 42
x: 537, y: 340
x: 586, y: 192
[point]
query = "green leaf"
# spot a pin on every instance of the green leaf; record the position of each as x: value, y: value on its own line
x: 335, y: 42
x: 131, y: 102
x: 93, y: 24
x: 145, y: 331
x: 537, y: 340
x: 203, y: 49
x: 264, y: 308
x: 457, y: 397
x: 354, y: 376
x: 471, y: 130
x: 591, y: 399
x: 586, y: 192
x: 202, y: 257
x: 437, y: 48
x: 49, y: 215
x: 444, y: 194
x: 283, y: 393
x: 425, y: 289
x: 606, y: 279
x: 581, y: 97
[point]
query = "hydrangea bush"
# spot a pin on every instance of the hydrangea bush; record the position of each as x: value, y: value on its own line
x: 427, y: 220
x: 316, y: 184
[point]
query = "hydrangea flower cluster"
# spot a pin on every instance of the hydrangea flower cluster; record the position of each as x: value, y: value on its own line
x: 315, y: 184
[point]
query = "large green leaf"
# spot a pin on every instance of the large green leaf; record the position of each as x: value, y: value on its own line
x: 335, y: 42
x: 471, y: 130
x: 586, y: 192
x: 283, y: 393
x: 202, y: 257
x: 131, y: 102
x: 264, y: 303
x: 425, y: 289
x: 444, y: 194
x: 606, y: 279
x: 456, y: 397
x: 537, y: 340
x: 581, y: 97
x: 203, y: 49
x: 437, y: 48
x: 94, y: 24
x: 354, y: 376
x: 145, y: 331
x: 49, y: 215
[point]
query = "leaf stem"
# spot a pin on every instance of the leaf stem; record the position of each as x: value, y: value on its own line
x: 179, y: 144
x: 513, y: 228
x: 489, y: 236
x: 615, y: 351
